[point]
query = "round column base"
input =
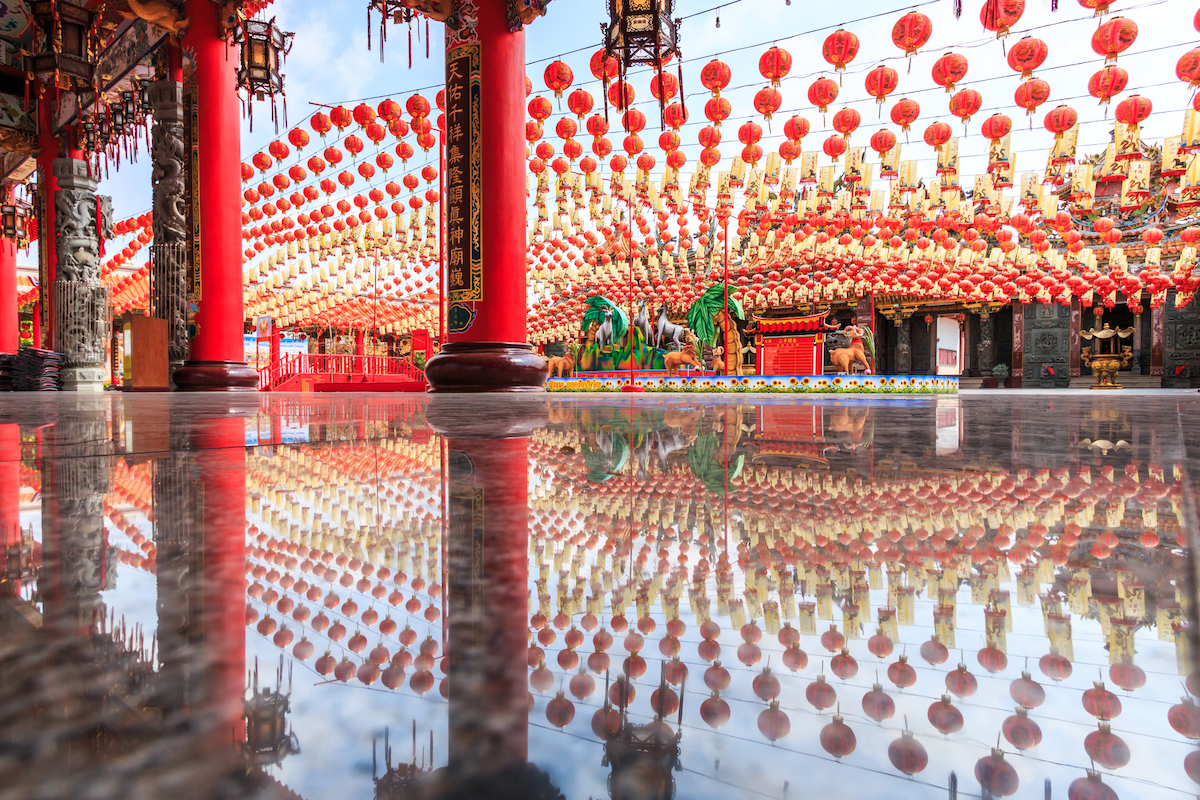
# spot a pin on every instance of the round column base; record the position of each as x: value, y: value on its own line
x: 487, y: 367
x: 215, y: 376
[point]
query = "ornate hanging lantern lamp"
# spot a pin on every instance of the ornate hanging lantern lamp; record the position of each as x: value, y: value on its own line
x: 67, y: 54
x: 13, y: 220
x: 643, y: 32
x: 263, y: 48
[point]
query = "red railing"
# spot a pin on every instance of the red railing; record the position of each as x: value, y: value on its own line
x: 295, y: 364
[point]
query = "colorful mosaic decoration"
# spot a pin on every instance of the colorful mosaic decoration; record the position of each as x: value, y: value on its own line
x: 767, y: 384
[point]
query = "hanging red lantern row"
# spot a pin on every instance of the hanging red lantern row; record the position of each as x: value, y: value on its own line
x: 949, y: 70
x: 998, y: 16
x: 911, y: 32
x: 839, y: 49
x: 1114, y: 37
x: 880, y: 82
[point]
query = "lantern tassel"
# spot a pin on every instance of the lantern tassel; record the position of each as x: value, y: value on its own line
x: 958, y: 8
x: 427, y: 45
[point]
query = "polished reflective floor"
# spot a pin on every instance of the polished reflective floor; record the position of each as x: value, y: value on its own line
x: 402, y: 596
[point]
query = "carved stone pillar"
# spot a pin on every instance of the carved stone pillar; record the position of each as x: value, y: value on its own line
x: 168, y: 276
x: 985, y: 349
x: 77, y: 561
x: 904, y: 347
x: 81, y: 312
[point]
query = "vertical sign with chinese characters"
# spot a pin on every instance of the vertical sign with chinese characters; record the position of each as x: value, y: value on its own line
x: 464, y: 178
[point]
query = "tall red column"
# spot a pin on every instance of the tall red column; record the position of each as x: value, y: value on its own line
x: 10, y: 493
x: 215, y: 362
x: 486, y: 348
x: 222, y: 460
x: 47, y: 252
x: 487, y: 583
x: 9, y: 337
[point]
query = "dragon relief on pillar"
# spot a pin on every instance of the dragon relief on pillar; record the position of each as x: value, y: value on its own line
x: 78, y: 247
x: 167, y: 177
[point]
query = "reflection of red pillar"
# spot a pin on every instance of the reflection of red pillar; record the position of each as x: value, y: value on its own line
x: 9, y: 337
x: 492, y: 353
x: 223, y: 480
x: 47, y: 254
x: 488, y: 597
x: 10, y: 489
x: 216, y: 360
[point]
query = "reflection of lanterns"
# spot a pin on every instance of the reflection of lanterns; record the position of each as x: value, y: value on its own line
x: 268, y: 740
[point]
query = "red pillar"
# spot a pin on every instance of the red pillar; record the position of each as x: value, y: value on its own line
x: 9, y: 336
x: 47, y: 249
x: 223, y: 478
x: 487, y: 586
x: 10, y: 491
x: 360, y: 343
x: 486, y: 347
x: 37, y: 322
x: 216, y: 362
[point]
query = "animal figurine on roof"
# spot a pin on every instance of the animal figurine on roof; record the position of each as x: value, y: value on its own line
x: 159, y: 13
x: 861, y: 344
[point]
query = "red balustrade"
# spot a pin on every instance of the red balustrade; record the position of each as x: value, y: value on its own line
x: 366, y: 367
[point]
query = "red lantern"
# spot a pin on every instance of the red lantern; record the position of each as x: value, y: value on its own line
x: 664, y: 86
x: 1134, y: 110
x: 1106, y: 748
x: 633, y: 121
x: 1188, y: 68
x: 341, y: 117
x: 795, y: 128
x: 715, y: 711
x: 840, y: 48
x: 1091, y: 787
x: 822, y: 93
x: 998, y: 17
x: 907, y: 754
x: 1101, y: 703
x: 1055, y: 666
x: 775, y: 64
x: 834, y: 147
x: 961, y: 683
x: 1107, y: 83
x: 320, y: 123
x: 717, y: 110
x: 944, y: 716
x: 949, y: 70
x: 1114, y: 37
x: 767, y: 101
x: 905, y: 113
x: 417, y: 106
x: 364, y: 115
x: 558, y: 77
x: 1031, y: 94
x: 877, y: 705
x: 1027, y: 55
x: 540, y: 108
x: 1184, y: 718
x: 1020, y: 731
x: 837, y: 739
x: 1059, y: 120
x: 882, y: 141
x: 621, y: 95
x: 937, y: 134
x: 996, y: 127
x: 880, y: 82
x: 715, y: 76
x: 911, y: 32
x: 934, y: 652
x: 820, y: 694
x: 298, y: 137
x: 996, y: 775
x: 846, y: 121
x: 774, y: 723
x: 966, y: 104
x: 1027, y: 692
x: 580, y: 103
x: 604, y: 67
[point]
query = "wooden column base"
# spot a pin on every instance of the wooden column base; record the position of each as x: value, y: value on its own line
x: 487, y: 367
x: 216, y: 376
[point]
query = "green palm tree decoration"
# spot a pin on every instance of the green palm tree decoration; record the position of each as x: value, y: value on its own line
x: 711, y: 303
x: 597, y: 305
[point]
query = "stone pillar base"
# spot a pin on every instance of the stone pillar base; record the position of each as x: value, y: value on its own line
x: 487, y: 367
x: 216, y: 376
x: 82, y: 379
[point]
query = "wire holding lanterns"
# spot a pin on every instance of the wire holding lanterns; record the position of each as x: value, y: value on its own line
x: 644, y: 33
x: 263, y: 48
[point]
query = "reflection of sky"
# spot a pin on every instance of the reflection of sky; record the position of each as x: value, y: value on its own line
x: 335, y: 723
